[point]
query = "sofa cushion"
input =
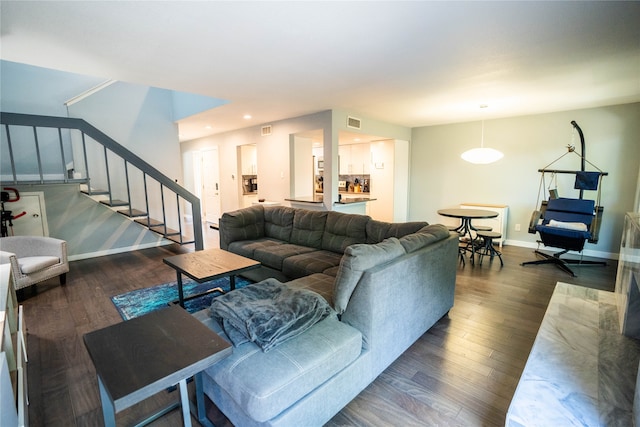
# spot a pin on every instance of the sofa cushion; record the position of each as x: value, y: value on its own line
x: 332, y: 271
x: 243, y: 224
x: 265, y: 384
x: 278, y: 222
x: 357, y: 259
x: 319, y: 283
x: 309, y: 263
x: 377, y: 231
x: 273, y: 256
x: 424, y: 237
x: 31, y: 264
x: 308, y: 227
x: 247, y: 248
x: 342, y: 230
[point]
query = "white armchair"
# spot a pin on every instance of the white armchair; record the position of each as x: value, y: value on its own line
x: 34, y: 259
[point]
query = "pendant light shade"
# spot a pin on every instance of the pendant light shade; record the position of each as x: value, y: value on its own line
x: 482, y: 155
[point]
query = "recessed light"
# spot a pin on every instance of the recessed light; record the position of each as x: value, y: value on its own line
x: 207, y: 127
x: 247, y: 116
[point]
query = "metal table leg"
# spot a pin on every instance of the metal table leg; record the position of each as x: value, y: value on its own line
x: 180, y: 291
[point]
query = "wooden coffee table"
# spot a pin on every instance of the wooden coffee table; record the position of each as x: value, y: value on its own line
x: 145, y: 355
x: 208, y: 264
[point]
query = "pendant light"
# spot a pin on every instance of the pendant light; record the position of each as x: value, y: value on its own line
x: 482, y: 155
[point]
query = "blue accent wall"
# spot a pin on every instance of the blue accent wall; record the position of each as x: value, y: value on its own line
x: 34, y: 90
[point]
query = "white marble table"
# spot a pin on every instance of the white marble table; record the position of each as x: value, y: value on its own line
x: 581, y: 371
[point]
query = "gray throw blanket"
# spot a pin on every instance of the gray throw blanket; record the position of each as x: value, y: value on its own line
x: 268, y: 313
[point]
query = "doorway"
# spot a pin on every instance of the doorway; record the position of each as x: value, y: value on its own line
x: 207, y: 179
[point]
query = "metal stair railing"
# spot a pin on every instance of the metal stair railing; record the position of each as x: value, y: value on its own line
x: 110, y: 147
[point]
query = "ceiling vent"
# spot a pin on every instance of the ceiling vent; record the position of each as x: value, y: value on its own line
x: 353, y: 123
x: 265, y: 130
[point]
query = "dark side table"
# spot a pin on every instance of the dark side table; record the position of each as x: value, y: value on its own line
x: 142, y: 356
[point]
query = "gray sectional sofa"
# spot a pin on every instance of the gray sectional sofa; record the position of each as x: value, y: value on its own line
x: 388, y: 284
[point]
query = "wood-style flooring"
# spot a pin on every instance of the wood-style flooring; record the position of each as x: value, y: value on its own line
x: 462, y: 372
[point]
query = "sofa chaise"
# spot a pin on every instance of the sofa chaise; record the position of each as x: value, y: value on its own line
x: 387, y: 284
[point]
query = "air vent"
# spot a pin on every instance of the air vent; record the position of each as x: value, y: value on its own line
x: 266, y: 130
x: 353, y: 123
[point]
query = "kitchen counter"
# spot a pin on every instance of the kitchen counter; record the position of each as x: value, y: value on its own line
x: 350, y: 201
x: 311, y: 199
x: 353, y: 192
x: 266, y: 203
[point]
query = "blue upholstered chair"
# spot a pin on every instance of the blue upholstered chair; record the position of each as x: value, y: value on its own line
x: 566, y: 224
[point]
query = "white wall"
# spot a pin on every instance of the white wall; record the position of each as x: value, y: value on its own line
x: 301, y: 150
x: 272, y: 156
x: 401, y: 184
x: 139, y: 118
x: 441, y: 179
x: 382, y: 180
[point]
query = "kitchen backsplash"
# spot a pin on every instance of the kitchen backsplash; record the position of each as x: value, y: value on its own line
x: 350, y: 183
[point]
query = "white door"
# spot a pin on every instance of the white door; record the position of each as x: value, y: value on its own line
x: 34, y: 222
x: 211, y: 186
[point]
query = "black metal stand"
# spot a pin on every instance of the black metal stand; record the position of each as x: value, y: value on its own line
x: 562, y: 264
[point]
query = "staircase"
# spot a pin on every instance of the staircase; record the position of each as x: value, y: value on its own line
x: 39, y: 150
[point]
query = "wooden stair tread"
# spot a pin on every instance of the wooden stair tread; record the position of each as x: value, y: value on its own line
x: 149, y: 223
x: 133, y: 213
x: 114, y: 203
x: 165, y: 232
x: 95, y: 192
x: 176, y: 238
x: 173, y: 235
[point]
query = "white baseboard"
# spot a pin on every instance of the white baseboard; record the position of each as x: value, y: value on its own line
x: 571, y: 254
x: 114, y: 251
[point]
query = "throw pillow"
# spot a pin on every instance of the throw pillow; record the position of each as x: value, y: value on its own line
x: 578, y: 226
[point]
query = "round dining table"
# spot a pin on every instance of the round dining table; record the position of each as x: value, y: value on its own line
x: 465, y: 227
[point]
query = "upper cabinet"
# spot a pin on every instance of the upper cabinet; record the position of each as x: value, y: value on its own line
x: 249, y: 159
x: 355, y: 159
x: 344, y: 160
x: 361, y: 157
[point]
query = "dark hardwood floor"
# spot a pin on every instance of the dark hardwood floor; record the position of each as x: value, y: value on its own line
x: 463, y: 371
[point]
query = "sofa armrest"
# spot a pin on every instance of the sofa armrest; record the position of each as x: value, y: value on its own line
x: 5, y: 257
x: 10, y: 258
x: 243, y: 224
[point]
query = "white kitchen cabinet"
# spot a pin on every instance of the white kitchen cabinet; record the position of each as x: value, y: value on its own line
x: 355, y: 159
x: 249, y: 159
x: 344, y: 161
x: 248, y: 199
x: 361, y: 159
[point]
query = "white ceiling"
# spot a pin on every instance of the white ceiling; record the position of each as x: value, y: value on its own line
x: 407, y: 63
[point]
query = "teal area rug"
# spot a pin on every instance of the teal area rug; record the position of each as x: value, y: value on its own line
x: 141, y: 301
